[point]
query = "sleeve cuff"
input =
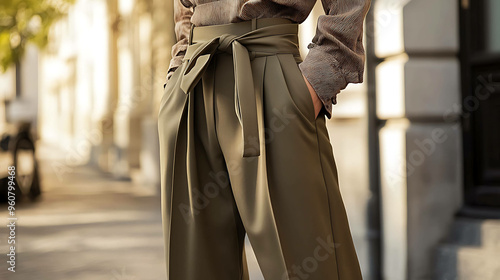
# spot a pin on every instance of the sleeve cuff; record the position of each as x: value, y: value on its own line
x: 326, y: 76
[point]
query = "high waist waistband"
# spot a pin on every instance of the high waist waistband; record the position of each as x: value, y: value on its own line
x: 259, y: 36
x: 205, y: 33
x: 245, y: 41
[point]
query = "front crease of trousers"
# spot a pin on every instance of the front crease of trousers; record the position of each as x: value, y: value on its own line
x: 286, y: 198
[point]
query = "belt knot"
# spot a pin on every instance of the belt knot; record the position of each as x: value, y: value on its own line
x: 225, y: 43
x: 271, y: 39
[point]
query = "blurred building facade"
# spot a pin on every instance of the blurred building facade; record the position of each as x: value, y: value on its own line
x: 415, y: 143
x: 434, y: 103
x: 101, y: 79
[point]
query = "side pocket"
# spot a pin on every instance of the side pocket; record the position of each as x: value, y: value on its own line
x: 297, y: 86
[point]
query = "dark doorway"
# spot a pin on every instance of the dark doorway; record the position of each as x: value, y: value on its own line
x: 480, y: 70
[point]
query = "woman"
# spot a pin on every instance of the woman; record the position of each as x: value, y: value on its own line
x: 243, y: 142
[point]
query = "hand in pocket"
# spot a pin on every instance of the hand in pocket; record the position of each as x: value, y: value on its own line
x: 316, y: 101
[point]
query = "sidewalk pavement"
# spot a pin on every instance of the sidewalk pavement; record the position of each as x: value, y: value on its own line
x: 88, y: 226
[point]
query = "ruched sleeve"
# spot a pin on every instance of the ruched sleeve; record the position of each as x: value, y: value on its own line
x: 336, y: 55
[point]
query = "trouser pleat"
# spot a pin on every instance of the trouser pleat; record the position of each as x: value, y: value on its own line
x: 220, y: 180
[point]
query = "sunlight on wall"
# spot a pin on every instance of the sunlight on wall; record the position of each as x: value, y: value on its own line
x: 390, y: 87
x: 393, y: 185
x: 75, y: 77
x: 125, y: 7
x: 388, y: 27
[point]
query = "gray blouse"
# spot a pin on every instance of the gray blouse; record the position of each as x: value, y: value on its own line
x: 336, y: 55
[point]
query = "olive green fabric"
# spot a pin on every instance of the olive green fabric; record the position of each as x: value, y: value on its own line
x: 241, y: 152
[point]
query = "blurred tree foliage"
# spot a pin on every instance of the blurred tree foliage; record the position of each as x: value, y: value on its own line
x: 23, y: 21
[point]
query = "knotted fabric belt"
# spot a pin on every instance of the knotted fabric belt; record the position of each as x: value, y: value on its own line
x: 245, y: 40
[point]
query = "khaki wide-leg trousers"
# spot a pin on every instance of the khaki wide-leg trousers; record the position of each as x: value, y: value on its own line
x: 241, y: 152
